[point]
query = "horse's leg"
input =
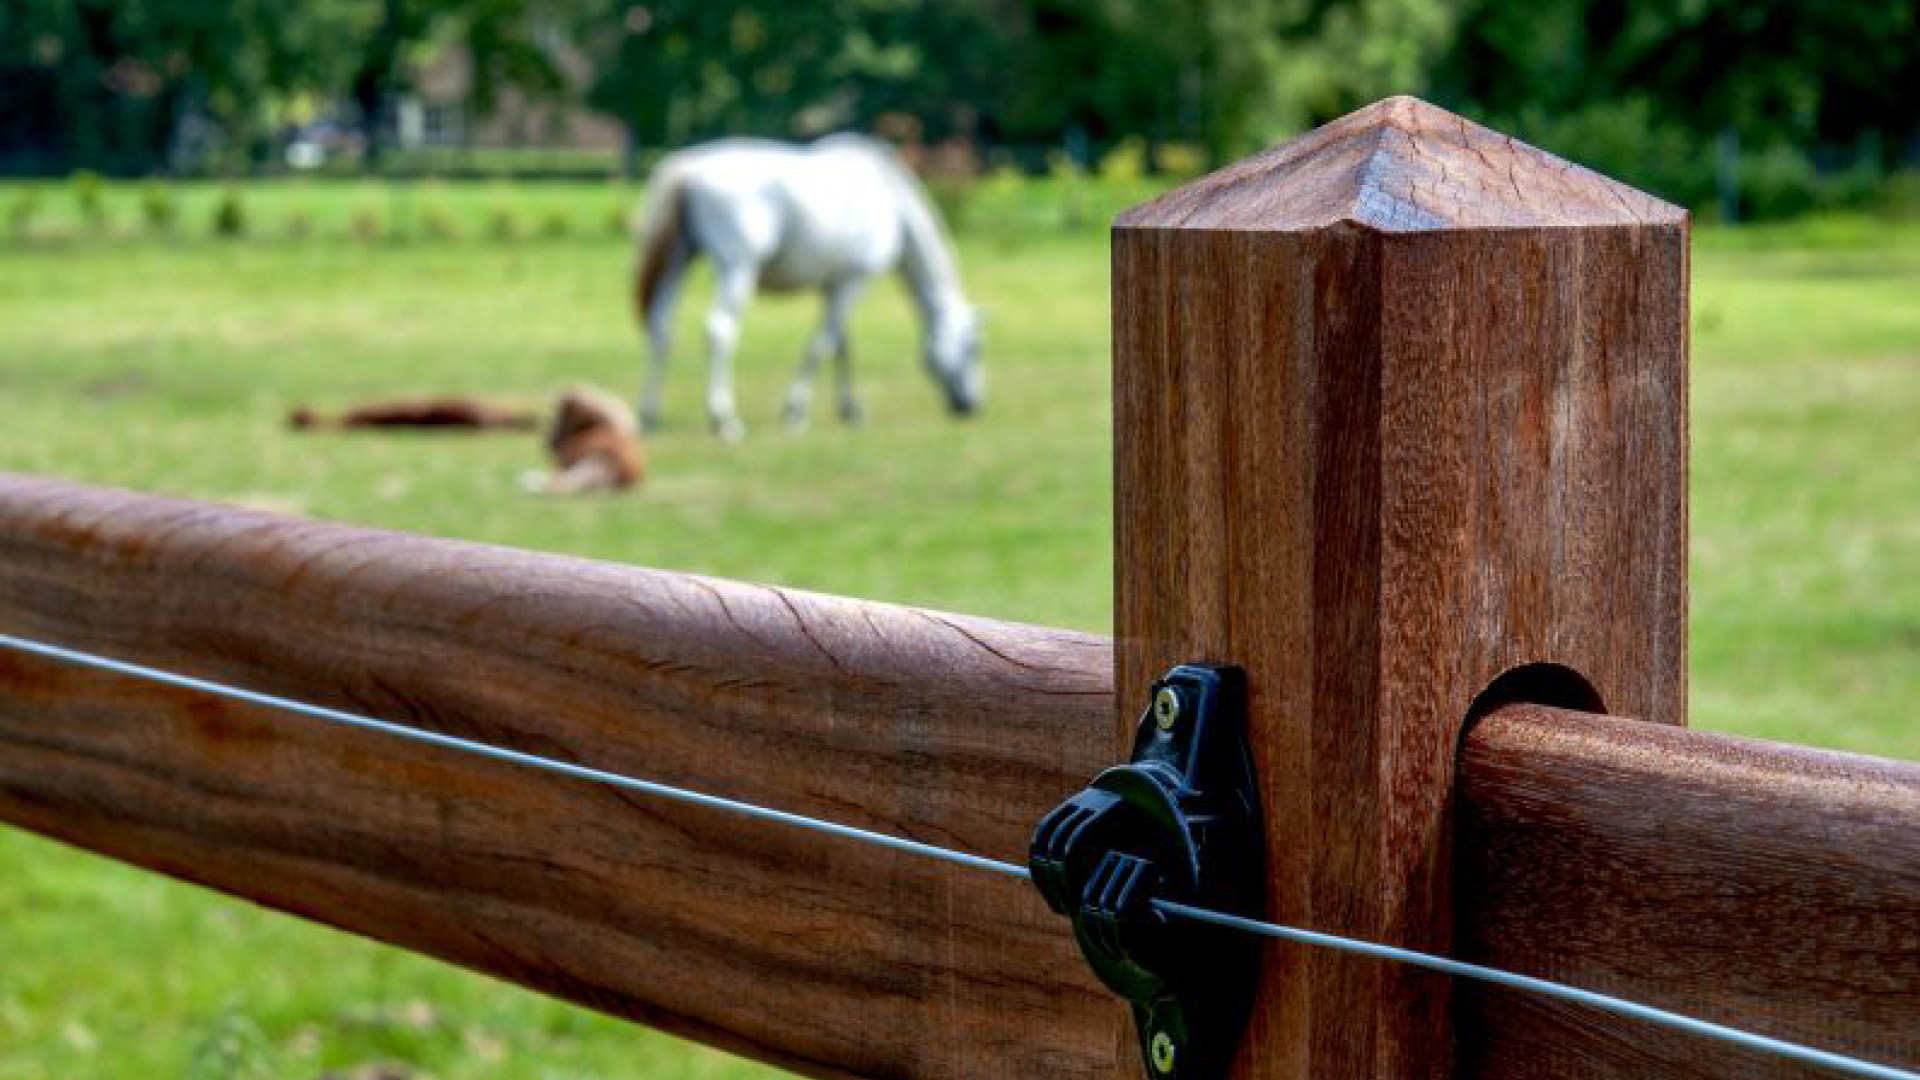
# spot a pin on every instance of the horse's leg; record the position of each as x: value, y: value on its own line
x: 845, y: 293
x: 800, y: 391
x: 659, y: 319
x: 732, y: 287
x: 852, y: 413
x: 831, y: 336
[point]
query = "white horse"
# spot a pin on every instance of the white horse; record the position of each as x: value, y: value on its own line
x: 777, y: 217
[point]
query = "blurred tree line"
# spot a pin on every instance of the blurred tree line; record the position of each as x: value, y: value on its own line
x: 1671, y: 94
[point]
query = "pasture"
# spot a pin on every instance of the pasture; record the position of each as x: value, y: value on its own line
x: 169, y: 365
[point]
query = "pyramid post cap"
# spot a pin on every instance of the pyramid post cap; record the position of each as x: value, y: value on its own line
x: 1401, y: 165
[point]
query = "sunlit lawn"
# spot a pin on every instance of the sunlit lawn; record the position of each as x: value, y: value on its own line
x: 170, y: 367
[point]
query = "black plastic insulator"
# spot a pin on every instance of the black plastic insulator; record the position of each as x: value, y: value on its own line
x: 1179, y: 822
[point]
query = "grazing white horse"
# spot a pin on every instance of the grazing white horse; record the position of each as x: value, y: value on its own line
x: 776, y: 217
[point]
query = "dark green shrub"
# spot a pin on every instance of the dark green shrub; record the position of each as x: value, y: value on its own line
x: 502, y: 223
x: 89, y: 198
x: 230, y: 215
x: 157, y: 207
x: 1855, y: 187
x: 1899, y: 196
x: 1777, y: 182
x: 23, y: 211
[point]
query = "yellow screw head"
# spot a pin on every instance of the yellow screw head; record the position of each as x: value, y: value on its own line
x: 1163, y: 1053
x: 1166, y: 708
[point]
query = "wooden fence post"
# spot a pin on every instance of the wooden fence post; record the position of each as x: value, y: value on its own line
x: 1400, y: 407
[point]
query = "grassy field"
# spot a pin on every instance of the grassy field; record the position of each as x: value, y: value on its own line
x: 170, y: 365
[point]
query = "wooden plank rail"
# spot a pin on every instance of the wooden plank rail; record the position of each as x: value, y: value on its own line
x: 830, y: 957
x: 1771, y: 887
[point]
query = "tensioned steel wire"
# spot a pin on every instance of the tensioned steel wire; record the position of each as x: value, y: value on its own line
x: 1839, y: 1063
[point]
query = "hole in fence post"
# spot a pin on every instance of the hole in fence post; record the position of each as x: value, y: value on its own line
x: 1552, y: 685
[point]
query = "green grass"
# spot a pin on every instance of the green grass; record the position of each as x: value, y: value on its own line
x: 1806, y: 486
x: 310, y: 210
x: 169, y: 366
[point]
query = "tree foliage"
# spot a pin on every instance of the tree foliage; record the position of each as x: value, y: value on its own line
x: 107, y: 82
x: 1770, y: 71
x: 121, y: 84
x: 1220, y: 73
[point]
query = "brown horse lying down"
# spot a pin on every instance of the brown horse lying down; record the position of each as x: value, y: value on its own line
x: 440, y: 413
x: 593, y: 441
x: 595, y: 446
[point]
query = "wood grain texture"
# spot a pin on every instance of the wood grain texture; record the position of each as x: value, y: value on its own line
x: 832, y: 958
x: 1770, y: 887
x: 1399, y: 406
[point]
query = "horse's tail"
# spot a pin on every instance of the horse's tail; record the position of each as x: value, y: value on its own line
x: 661, y: 232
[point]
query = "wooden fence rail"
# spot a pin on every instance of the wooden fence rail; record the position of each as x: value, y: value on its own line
x: 829, y: 957
x: 1770, y: 887
x: 1400, y: 430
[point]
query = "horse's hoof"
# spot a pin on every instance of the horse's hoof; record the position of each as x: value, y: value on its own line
x: 649, y: 423
x: 730, y: 430
x: 851, y: 414
x: 794, y: 420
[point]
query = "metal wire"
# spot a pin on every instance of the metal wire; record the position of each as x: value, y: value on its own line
x: 501, y: 753
x: 1547, y: 988
x: 1839, y: 1063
